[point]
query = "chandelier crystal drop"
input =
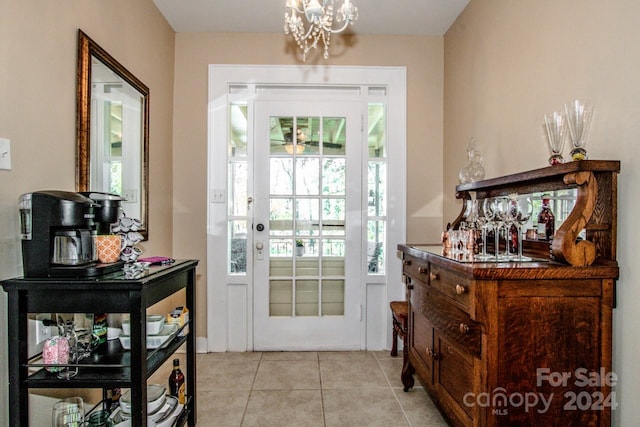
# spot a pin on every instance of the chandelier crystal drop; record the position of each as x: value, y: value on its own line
x: 321, y: 15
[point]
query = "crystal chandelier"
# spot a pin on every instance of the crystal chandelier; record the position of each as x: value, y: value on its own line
x: 320, y: 21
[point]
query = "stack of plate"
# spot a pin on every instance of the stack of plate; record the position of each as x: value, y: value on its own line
x: 158, y: 333
x: 161, y: 408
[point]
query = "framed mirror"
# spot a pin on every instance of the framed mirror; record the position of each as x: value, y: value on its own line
x: 112, y: 130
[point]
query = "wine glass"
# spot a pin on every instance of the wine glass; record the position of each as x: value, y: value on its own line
x: 524, y: 208
x: 579, y: 115
x: 68, y: 412
x: 556, y: 129
x: 501, y: 208
x: 464, y: 240
x: 483, y: 224
x: 489, y: 209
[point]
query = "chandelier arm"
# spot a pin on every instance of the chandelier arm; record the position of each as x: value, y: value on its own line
x: 338, y: 30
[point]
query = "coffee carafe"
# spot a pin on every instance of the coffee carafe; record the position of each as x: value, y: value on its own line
x: 57, y: 231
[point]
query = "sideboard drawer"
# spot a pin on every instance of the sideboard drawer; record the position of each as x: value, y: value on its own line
x: 452, y: 285
x: 453, y: 322
x: 416, y: 268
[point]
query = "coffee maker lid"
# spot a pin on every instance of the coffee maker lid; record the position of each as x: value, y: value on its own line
x: 99, y: 196
x: 65, y: 195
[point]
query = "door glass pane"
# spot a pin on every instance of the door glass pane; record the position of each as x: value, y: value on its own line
x: 238, y: 247
x: 333, y: 247
x: 237, y: 145
x: 377, y: 178
x: 333, y: 217
x: 281, y: 182
x: 333, y: 298
x: 280, y: 297
x: 281, y: 216
x: 375, y: 246
x: 280, y: 135
x: 280, y: 257
x: 334, y: 177
x: 307, y: 295
x: 307, y: 217
x: 238, y: 188
x: 306, y: 247
x: 334, y: 136
x: 307, y: 176
x: 376, y: 134
x: 308, y: 135
x: 333, y: 266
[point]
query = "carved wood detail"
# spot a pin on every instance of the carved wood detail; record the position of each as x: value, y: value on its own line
x: 564, y: 246
x: 466, y: 197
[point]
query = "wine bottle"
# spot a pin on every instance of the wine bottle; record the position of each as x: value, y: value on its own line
x: 176, y: 382
x: 546, y: 220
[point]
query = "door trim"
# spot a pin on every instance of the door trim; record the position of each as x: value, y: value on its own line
x: 230, y: 300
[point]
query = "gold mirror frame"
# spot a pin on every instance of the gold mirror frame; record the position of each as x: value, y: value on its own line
x: 87, y: 49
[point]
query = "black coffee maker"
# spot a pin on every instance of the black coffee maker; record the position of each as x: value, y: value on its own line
x: 58, y: 230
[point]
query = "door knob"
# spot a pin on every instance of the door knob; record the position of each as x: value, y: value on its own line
x: 259, y: 246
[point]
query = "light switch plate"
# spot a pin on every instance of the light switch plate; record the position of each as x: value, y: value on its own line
x: 5, y: 154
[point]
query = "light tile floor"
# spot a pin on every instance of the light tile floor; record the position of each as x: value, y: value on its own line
x: 326, y: 389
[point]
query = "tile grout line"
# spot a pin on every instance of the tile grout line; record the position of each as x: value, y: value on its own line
x: 395, y: 396
x: 255, y: 375
x: 324, y: 418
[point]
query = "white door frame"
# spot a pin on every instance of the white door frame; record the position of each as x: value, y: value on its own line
x: 230, y: 299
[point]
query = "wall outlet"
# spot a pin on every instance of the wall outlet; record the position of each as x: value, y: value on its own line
x: 38, y: 333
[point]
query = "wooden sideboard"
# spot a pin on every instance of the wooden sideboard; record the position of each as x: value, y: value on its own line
x: 521, y: 343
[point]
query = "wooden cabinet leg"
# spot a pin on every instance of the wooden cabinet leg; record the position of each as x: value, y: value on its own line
x: 407, y: 370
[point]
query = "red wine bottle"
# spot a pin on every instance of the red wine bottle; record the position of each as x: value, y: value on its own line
x: 176, y: 382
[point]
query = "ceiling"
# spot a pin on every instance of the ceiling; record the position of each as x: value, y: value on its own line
x: 398, y: 17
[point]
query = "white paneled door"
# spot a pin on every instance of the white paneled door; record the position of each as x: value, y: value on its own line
x: 307, y: 224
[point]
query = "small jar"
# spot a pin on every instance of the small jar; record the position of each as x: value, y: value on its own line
x: 99, y: 419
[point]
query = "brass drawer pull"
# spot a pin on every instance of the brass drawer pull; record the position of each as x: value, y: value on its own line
x: 460, y: 289
x: 464, y: 328
x: 434, y: 276
x: 422, y: 270
x: 431, y: 353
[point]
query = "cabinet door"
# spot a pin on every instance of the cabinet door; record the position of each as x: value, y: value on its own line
x: 421, y: 331
x: 454, y: 377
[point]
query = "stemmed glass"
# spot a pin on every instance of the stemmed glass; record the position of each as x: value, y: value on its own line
x: 483, y: 224
x: 464, y: 240
x: 524, y: 208
x: 556, y: 127
x: 505, y: 219
x: 579, y: 115
x: 489, y: 209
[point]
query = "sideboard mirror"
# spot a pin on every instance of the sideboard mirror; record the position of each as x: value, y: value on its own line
x: 112, y: 130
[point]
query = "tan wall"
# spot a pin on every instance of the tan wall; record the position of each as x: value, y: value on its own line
x: 37, y: 107
x: 509, y: 62
x: 423, y: 58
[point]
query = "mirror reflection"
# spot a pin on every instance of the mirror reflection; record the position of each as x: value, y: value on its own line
x: 112, y: 136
